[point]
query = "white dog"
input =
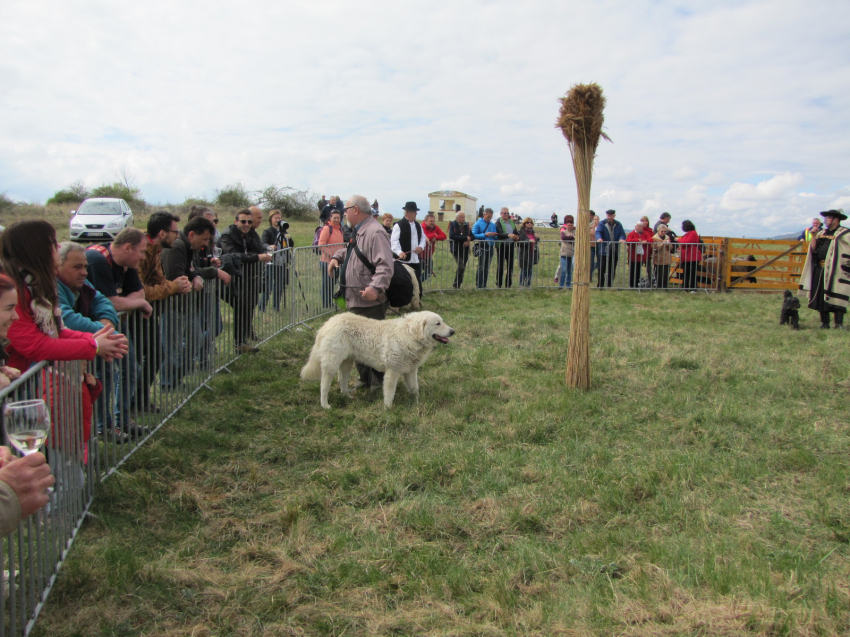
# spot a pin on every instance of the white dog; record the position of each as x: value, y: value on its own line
x: 396, y: 347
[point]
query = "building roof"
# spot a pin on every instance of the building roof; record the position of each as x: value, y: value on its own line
x: 451, y: 193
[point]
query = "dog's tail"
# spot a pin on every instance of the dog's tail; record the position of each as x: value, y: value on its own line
x: 313, y: 369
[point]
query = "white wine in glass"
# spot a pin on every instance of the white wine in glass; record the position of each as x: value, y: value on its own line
x: 217, y: 252
x: 27, y: 425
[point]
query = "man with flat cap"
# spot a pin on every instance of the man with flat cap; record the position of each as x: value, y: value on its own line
x: 826, y: 274
x: 408, y: 240
x: 609, y: 234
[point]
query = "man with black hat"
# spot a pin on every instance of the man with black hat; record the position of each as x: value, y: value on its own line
x: 408, y: 240
x: 826, y: 274
x: 608, y: 234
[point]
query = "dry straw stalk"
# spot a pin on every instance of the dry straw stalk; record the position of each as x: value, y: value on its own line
x: 580, y: 120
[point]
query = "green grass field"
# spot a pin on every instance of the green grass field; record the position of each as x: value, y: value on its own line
x: 700, y: 488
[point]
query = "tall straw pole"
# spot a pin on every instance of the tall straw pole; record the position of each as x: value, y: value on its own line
x: 580, y: 120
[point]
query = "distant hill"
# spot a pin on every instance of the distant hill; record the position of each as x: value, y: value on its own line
x: 787, y: 236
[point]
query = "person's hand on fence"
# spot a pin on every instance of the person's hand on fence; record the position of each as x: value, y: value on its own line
x: 224, y: 276
x: 10, y: 372
x: 184, y: 284
x: 110, y: 344
x: 147, y: 310
x: 265, y: 257
x: 215, y: 262
x: 29, y: 477
x: 197, y: 284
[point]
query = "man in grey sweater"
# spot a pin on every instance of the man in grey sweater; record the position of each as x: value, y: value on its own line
x: 365, y: 292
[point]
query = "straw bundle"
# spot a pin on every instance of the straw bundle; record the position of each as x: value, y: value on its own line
x: 580, y: 120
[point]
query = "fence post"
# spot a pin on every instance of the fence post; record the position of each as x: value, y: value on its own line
x: 725, y: 264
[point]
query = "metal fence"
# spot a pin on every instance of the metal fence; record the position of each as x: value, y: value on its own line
x: 621, y: 266
x: 189, y: 338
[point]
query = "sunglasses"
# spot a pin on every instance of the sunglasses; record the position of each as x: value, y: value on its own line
x: 244, y: 221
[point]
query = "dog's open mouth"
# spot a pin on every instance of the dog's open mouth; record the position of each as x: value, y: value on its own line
x: 441, y: 339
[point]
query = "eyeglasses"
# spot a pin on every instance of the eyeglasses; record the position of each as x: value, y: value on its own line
x: 244, y: 221
x: 349, y: 208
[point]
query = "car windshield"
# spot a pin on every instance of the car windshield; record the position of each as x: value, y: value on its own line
x: 100, y: 208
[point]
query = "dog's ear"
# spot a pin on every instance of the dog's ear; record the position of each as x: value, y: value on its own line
x: 423, y: 326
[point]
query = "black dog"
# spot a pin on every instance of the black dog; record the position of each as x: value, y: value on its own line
x: 789, y: 313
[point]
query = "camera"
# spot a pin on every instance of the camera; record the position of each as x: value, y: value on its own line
x: 283, y: 225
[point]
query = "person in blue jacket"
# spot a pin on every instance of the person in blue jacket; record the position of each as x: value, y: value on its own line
x: 84, y: 309
x: 485, y: 233
x: 608, y: 234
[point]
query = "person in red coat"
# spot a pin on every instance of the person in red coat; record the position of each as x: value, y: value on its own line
x: 638, y: 247
x: 433, y: 233
x: 29, y: 255
x: 690, y: 254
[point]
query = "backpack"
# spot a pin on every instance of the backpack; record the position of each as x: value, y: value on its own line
x: 316, y: 238
x: 104, y: 250
x: 400, y: 291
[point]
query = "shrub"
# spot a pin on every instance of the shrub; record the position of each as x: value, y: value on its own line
x: 196, y: 201
x: 293, y: 204
x: 233, y: 196
x: 74, y: 193
x: 120, y: 191
x: 6, y: 204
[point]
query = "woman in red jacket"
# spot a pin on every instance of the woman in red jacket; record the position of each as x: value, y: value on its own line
x: 433, y: 233
x: 29, y: 255
x: 638, y: 247
x: 689, y: 255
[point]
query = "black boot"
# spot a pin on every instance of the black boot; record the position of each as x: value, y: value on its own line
x: 824, y: 320
x: 839, y: 320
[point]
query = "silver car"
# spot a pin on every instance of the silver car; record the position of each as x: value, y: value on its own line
x: 100, y: 219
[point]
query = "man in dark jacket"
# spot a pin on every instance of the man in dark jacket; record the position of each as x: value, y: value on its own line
x: 609, y: 234
x: 242, y: 239
x: 181, y: 329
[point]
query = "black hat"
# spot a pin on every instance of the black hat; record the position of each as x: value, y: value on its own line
x: 610, y: 212
x: 834, y: 213
x: 410, y: 205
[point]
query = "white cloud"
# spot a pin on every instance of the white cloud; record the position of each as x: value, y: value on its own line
x: 532, y: 209
x: 502, y: 177
x: 461, y: 183
x: 741, y: 196
x: 714, y: 178
x: 841, y: 202
x: 684, y: 173
x: 518, y: 188
x: 806, y: 194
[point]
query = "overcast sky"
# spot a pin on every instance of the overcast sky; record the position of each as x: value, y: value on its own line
x: 733, y: 114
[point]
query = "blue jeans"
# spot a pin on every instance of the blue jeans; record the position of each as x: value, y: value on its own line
x: 566, y: 278
x: 484, y: 257
x: 525, y: 274
x: 328, y: 284
x: 594, y: 261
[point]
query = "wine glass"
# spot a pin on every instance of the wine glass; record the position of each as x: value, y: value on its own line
x: 27, y: 425
x: 217, y: 252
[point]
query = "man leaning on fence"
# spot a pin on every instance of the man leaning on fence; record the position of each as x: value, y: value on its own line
x: 113, y: 271
x: 162, y: 231
x: 182, y: 333
x: 365, y: 292
x: 84, y: 309
x: 242, y: 240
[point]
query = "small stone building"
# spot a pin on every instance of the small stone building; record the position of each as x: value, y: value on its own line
x: 444, y: 204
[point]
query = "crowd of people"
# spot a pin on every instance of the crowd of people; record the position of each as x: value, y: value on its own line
x: 65, y: 302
